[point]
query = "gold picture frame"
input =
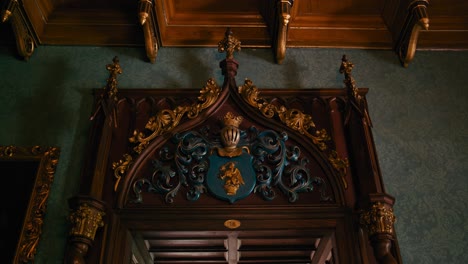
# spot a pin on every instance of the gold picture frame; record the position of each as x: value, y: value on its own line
x: 27, y: 175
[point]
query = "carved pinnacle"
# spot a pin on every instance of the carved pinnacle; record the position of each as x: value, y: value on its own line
x: 229, y: 44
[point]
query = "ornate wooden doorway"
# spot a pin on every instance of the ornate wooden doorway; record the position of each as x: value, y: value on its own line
x: 232, y: 174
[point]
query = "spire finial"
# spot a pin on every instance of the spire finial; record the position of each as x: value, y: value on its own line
x: 229, y: 44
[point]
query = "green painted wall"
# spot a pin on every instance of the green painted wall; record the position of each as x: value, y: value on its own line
x: 420, y: 117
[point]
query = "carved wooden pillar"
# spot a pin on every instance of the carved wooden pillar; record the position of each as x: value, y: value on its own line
x: 378, y: 220
x: 376, y: 206
x: 86, y: 218
x: 88, y: 209
x: 25, y: 40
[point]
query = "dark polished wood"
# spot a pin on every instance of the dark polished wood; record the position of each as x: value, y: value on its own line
x: 307, y: 23
x: 346, y: 219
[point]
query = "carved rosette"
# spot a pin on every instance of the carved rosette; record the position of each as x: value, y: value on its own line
x: 379, y: 219
x: 85, y: 221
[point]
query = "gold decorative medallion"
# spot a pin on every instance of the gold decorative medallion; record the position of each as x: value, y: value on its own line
x: 232, y: 223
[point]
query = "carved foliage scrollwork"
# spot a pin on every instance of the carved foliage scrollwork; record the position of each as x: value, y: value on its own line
x: 167, y: 119
x: 281, y: 167
x: 292, y: 118
x: 275, y: 166
x: 164, y: 121
x: 296, y: 120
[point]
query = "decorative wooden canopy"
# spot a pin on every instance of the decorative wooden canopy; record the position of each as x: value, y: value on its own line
x: 278, y: 24
x: 232, y: 174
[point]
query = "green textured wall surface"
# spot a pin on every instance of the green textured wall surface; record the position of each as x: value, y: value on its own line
x: 420, y: 117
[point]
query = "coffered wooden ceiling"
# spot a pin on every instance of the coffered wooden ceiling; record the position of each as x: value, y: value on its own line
x: 401, y: 25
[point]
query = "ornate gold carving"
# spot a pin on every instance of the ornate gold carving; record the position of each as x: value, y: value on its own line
x: 120, y: 168
x: 166, y: 119
x: 356, y: 101
x: 416, y: 21
x: 7, y: 151
x: 298, y: 121
x: 25, y: 42
x: 147, y: 22
x: 107, y: 102
x: 379, y: 219
x: 230, y: 136
x: 284, y: 14
x: 232, y: 223
x: 229, y: 44
x: 292, y: 118
x: 341, y: 165
x: 232, y: 176
x: 34, y: 218
x: 85, y: 221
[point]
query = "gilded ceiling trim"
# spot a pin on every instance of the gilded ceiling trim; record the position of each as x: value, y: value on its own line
x: 36, y: 208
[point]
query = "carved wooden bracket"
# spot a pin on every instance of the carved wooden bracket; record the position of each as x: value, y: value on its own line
x: 147, y: 21
x: 282, y: 21
x: 416, y: 20
x: 25, y: 41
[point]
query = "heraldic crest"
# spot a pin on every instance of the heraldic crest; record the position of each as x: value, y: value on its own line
x: 230, y: 164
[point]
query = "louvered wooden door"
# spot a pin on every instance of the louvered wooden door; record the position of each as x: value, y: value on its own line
x: 267, y: 246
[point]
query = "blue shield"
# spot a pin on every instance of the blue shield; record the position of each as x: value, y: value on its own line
x: 231, y: 178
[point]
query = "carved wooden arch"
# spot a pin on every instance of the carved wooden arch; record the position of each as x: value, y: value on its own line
x: 132, y: 125
x: 229, y: 97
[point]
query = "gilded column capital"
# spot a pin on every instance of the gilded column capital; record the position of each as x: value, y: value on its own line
x: 86, y: 217
x: 85, y: 221
x: 378, y: 219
